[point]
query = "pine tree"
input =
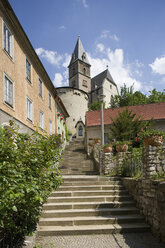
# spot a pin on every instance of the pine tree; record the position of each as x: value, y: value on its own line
x: 126, y: 125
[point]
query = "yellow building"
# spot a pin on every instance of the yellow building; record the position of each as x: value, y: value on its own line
x: 27, y: 94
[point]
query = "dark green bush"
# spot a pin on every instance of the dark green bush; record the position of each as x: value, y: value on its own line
x: 28, y: 173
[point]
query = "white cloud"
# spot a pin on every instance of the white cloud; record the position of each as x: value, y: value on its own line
x: 106, y: 34
x: 62, y: 27
x: 84, y: 3
x: 120, y: 71
x: 58, y: 80
x: 158, y: 66
x: 100, y: 47
x: 51, y: 56
x: 114, y: 37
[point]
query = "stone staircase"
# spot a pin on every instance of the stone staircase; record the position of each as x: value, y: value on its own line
x: 86, y: 203
x: 90, y: 205
x: 75, y: 161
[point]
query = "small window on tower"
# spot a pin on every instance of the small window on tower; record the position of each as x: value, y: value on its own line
x: 110, y: 86
x: 84, y: 83
x: 84, y: 71
x: 83, y: 56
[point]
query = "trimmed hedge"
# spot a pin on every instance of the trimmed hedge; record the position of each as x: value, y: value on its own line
x: 28, y: 173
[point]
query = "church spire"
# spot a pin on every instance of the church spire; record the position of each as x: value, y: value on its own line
x: 79, y: 52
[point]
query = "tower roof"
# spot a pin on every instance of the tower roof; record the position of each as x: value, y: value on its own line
x: 79, y: 53
x: 98, y: 79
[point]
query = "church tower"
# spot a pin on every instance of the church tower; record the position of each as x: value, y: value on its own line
x: 79, y: 69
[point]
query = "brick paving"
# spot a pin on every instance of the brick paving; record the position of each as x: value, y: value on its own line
x: 128, y: 240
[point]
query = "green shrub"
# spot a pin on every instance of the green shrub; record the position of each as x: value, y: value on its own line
x: 28, y: 173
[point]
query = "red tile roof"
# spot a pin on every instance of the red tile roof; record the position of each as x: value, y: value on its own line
x: 145, y: 111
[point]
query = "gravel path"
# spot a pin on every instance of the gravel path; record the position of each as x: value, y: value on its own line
x: 129, y: 240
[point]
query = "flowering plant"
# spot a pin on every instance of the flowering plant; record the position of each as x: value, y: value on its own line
x: 150, y: 132
x: 107, y: 145
x: 122, y: 142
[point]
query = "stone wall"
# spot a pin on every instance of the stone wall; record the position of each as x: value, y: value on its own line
x: 150, y: 194
x: 103, y: 161
x: 153, y: 161
x: 150, y: 198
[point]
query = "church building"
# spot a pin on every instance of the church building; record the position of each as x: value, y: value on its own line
x: 83, y: 91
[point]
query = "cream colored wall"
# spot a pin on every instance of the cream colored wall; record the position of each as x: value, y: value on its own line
x: 76, y: 103
x: 95, y: 132
x: 108, y: 92
x: 15, y: 70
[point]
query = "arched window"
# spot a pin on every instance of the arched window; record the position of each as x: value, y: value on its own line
x: 80, y: 131
x: 84, y: 71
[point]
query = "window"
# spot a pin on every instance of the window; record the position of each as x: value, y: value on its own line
x: 110, y: 86
x: 84, y: 71
x: 80, y: 131
x: 40, y: 88
x: 28, y: 70
x: 8, y: 91
x: 7, y: 40
x: 29, y: 109
x: 84, y: 83
x: 50, y: 127
x: 50, y: 101
x: 41, y: 120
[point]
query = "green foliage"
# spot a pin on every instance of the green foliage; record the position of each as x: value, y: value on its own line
x: 107, y: 145
x: 148, y: 132
x: 122, y: 142
x: 96, y: 106
x: 159, y: 176
x: 132, y: 164
x: 128, y: 97
x: 28, y: 173
x: 126, y: 126
x: 66, y: 133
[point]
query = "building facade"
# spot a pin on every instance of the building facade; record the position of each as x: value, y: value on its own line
x: 61, y: 116
x: 27, y: 94
x: 155, y: 111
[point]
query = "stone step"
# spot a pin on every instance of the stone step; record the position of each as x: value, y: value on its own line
x: 89, y: 212
x: 71, y: 172
x: 103, y: 198
x: 80, y: 178
x: 92, y: 183
x: 91, y: 220
x: 89, y: 193
x: 90, y: 187
x: 88, y: 205
x: 92, y: 229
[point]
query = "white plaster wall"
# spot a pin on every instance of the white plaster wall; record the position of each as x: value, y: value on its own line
x: 107, y: 91
x: 76, y: 103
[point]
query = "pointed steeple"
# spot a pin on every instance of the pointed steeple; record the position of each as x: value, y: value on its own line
x: 79, y: 53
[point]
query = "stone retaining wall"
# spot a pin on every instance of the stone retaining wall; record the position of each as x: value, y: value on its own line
x: 150, y: 198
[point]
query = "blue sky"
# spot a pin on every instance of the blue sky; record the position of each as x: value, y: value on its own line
x: 126, y: 35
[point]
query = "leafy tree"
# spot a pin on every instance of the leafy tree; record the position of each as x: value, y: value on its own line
x: 96, y: 106
x: 28, y: 174
x: 129, y: 98
x: 126, y: 125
